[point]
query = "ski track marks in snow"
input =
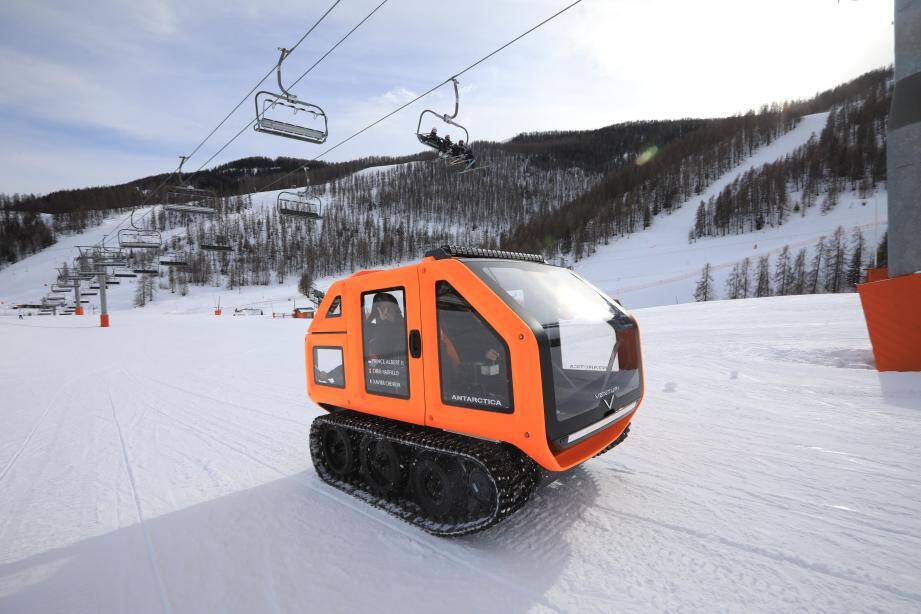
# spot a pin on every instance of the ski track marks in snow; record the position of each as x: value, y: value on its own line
x: 151, y: 550
x: 768, y: 470
x: 428, y: 542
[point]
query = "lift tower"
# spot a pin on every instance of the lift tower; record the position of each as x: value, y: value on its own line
x: 892, y: 297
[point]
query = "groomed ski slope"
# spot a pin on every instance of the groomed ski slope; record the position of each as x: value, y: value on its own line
x: 161, y: 466
x: 658, y: 266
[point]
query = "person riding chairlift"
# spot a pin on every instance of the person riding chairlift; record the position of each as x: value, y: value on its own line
x: 433, y: 140
x: 466, y: 156
x: 446, y: 146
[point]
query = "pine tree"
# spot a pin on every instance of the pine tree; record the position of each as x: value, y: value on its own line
x: 745, y: 278
x: 783, y: 279
x: 831, y: 199
x: 700, y: 221
x: 835, y: 258
x: 798, y: 275
x: 763, y: 277
x: 704, y: 290
x: 814, y: 275
x: 855, y: 268
x: 305, y: 283
x: 736, y: 282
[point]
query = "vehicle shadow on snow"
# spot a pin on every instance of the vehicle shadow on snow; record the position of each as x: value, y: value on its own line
x: 532, y: 548
x: 295, y: 545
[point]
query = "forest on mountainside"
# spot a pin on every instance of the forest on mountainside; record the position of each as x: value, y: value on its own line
x: 627, y: 198
x: 849, y: 154
x: 560, y: 193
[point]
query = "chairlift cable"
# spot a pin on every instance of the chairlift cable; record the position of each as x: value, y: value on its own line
x: 424, y: 94
x: 293, y: 83
x: 223, y: 121
x: 267, y: 75
x: 383, y: 118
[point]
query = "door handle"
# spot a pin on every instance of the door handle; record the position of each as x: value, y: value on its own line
x: 415, y: 343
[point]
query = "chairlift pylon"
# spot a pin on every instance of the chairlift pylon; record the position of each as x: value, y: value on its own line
x: 269, y: 101
x: 454, y: 154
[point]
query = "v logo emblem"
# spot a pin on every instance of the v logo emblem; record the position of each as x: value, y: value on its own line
x: 610, y: 402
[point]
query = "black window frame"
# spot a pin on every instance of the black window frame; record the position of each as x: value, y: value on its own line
x: 508, y: 357
x: 364, y: 365
x: 328, y: 347
x: 337, y: 302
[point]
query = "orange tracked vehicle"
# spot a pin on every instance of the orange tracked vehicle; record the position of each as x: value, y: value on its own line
x: 455, y: 385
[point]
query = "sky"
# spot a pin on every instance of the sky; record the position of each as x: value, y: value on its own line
x: 100, y: 92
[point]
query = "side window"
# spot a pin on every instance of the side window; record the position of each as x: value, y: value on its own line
x: 328, y: 367
x: 383, y: 334
x: 473, y: 359
x: 335, y: 308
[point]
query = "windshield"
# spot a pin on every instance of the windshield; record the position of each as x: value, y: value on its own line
x: 593, y: 346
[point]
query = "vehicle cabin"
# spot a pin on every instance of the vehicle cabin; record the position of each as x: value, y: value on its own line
x: 489, y: 344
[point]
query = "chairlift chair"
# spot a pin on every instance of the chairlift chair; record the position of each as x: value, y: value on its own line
x: 174, y: 260
x: 299, y: 204
x: 128, y: 274
x: 453, y: 153
x: 138, y: 238
x: 185, y: 198
x: 286, y: 101
x: 145, y: 270
x: 215, y: 243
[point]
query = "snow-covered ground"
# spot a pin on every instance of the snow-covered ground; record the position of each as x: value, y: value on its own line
x: 161, y: 466
x: 659, y: 267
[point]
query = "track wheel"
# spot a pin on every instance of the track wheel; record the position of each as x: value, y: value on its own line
x: 437, y: 486
x: 481, y: 491
x: 380, y: 465
x: 338, y: 451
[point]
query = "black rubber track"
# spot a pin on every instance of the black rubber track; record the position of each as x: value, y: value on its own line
x: 511, y: 472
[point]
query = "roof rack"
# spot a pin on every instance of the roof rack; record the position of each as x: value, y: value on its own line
x: 463, y: 251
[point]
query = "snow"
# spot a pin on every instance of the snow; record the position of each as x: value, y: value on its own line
x: 161, y: 465
x: 659, y: 267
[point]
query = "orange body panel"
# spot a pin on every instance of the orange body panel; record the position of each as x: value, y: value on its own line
x: 892, y: 308
x: 878, y: 274
x: 524, y: 428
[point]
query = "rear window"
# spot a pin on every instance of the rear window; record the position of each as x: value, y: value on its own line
x: 328, y: 369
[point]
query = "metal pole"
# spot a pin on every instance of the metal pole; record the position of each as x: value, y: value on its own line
x: 103, y: 306
x: 904, y: 143
x: 78, y: 311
